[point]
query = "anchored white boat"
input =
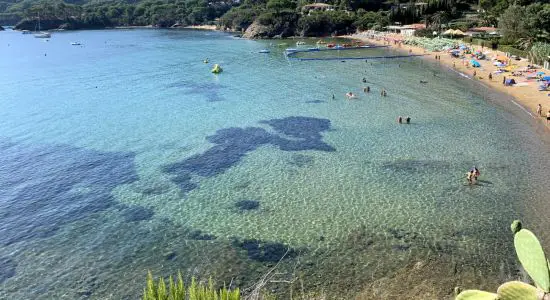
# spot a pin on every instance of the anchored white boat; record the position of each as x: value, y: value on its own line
x: 41, y: 34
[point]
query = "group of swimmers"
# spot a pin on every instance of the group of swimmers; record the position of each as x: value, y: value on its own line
x: 472, y: 175
x: 366, y: 90
x: 407, y: 120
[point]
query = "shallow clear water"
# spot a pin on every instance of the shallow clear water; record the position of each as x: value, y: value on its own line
x: 127, y: 154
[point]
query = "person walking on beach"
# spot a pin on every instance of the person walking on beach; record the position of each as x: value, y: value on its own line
x: 548, y: 117
x: 504, y: 80
x: 490, y: 76
x: 539, y: 110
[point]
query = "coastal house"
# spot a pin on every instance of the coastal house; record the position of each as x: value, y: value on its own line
x: 307, y: 9
x: 406, y: 30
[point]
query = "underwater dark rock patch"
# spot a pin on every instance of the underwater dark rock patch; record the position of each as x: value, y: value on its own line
x: 200, y: 236
x: 301, y: 160
x: 170, y: 256
x: 209, y: 90
x: 232, y: 144
x: 265, y: 251
x: 137, y: 213
x: 245, y: 205
x: 47, y: 186
x: 7, y: 268
x: 315, y: 101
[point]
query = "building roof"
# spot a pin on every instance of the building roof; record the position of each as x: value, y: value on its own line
x: 317, y: 5
x: 483, y: 29
x: 411, y: 26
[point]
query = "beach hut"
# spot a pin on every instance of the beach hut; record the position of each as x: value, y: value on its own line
x: 475, y: 63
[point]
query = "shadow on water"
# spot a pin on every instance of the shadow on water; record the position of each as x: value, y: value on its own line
x: 47, y: 186
x: 232, y: 144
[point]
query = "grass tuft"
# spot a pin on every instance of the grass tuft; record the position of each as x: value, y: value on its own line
x: 176, y: 290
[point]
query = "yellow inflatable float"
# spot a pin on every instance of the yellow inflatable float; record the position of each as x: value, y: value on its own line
x: 217, y: 69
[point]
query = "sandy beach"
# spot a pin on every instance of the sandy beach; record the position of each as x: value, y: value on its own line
x: 201, y: 27
x: 525, y: 92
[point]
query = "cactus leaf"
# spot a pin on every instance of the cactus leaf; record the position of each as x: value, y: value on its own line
x: 517, y: 290
x: 476, y: 295
x: 532, y: 258
x: 516, y: 226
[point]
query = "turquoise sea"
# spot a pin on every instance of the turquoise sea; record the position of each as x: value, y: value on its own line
x: 126, y: 154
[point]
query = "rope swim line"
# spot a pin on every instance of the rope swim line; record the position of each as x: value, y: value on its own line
x: 290, y: 53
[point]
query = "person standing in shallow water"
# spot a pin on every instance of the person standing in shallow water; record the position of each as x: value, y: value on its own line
x: 400, y: 120
x: 408, y: 120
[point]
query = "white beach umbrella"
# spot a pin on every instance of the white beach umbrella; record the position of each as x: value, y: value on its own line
x: 449, y: 32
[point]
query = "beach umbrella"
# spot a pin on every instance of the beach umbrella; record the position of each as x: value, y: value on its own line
x: 475, y: 63
x: 448, y: 32
x: 502, y: 58
x: 458, y: 32
x: 546, y: 78
x: 540, y: 73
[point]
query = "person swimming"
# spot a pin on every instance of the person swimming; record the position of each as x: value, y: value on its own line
x: 476, y: 171
x: 350, y: 95
x: 472, y: 175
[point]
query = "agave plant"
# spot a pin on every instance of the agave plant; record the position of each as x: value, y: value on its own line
x: 533, y: 260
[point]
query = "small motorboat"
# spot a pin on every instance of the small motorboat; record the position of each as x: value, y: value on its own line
x: 76, y: 43
x: 291, y: 50
x: 314, y: 49
x: 300, y: 43
x: 264, y: 51
x: 339, y: 47
x: 331, y: 45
